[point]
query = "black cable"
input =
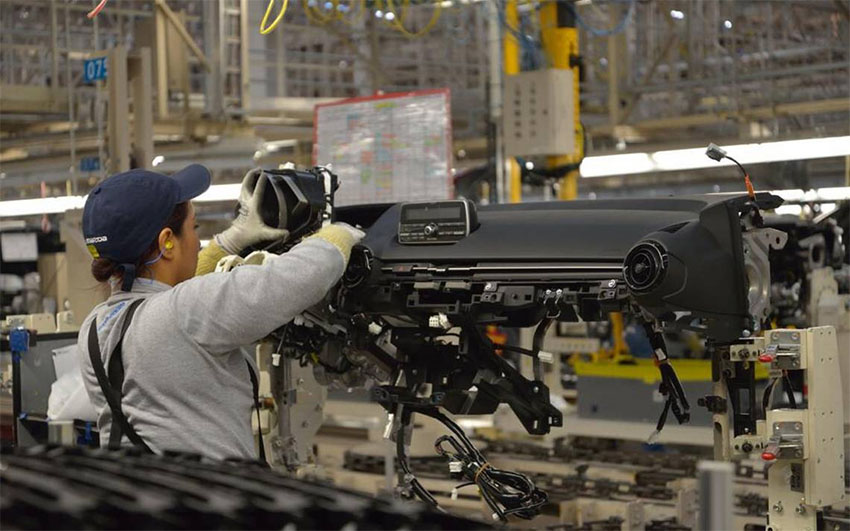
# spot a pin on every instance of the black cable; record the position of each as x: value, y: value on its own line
x: 765, y: 398
x: 409, y: 478
x: 507, y: 493
x: 789, y: 391
x: 537, y: 344
x: 677, y: 401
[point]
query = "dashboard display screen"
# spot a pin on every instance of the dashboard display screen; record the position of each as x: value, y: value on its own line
x: 437, y: 213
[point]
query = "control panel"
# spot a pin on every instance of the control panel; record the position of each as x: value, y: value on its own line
x: 437, y: 222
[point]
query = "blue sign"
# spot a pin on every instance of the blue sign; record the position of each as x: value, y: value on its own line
x: 94, y: 69
x: 89, y: 164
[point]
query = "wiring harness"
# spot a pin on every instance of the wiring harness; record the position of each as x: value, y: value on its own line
x: 506, y: 493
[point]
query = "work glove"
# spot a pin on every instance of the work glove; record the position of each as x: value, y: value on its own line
x: 342, y: 235
x: 248, y: 228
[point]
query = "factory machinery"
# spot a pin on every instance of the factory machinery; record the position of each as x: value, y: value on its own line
x: 408, y: 320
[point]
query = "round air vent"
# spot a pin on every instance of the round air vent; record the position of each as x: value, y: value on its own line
x: 645, y: 266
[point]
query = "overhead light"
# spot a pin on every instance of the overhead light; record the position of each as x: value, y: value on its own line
x: 727, y: 24
x: 46, y: 205
x: 606, y: 165
x: 220, y: 192
x: 379, y: 14
x: 678, y: 15
x: 694, y: 158
x: 159, y: 159
x: 789, y: 210
x: 57, y: 205
x: 529, y: 165
x: 276, y: 145
x: 389, y: 16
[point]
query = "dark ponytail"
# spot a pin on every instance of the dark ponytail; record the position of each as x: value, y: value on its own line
x: 102, y: 269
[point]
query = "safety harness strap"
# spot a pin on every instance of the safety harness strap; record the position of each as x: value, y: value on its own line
x: 256, y: 385
x: 111, y: 387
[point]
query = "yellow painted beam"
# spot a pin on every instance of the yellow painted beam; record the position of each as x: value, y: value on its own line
x: 559, y: 43
x: 510, y: 54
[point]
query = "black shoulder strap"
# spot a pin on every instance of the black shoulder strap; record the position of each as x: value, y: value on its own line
x: 256, y: 385
x: 111, y: 387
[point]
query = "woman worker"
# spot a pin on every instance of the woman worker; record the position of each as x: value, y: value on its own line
x: 165, y: 345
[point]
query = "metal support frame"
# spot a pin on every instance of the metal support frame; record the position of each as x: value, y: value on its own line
x: 161, y: 62
x: 803, y: 446
x: 560, y: 42
x: 118, y: 133
x: 510, y: 56
x: 494, y: 86
x: 126, y: 73
x: 717, y: 507
x: 139, y: 70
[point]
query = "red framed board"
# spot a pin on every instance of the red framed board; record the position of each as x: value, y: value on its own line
x: 387, y: 148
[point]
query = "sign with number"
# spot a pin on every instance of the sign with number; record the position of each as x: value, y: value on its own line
x: 90, y: 164
x: 94, y: 69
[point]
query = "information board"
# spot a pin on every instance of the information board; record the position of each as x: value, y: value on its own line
x: 387, y: 148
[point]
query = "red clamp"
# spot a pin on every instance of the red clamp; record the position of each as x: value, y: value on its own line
x: 766, y: 358
x: 768, y: 456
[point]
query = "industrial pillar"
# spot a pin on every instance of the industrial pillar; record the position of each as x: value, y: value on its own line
x: 125, y: 73
x: 511, y: 67
x: 140, y: 75
x: 117, y: 132
x: 560, y: 42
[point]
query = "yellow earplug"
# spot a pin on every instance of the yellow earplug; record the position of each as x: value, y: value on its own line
x: 168, y: 244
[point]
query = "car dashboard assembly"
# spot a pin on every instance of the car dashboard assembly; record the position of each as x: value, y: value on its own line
x: 409, y: 316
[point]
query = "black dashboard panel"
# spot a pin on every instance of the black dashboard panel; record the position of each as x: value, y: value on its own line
x: 692, y: 248
x: 588, y: 230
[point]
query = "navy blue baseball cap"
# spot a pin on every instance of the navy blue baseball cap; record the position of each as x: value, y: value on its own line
x: 124, y: 213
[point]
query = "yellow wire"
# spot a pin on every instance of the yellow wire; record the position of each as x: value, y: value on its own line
x: 314, y: 14
x: 266, y: 30
x: 360, y: 12
x: 398, y: 23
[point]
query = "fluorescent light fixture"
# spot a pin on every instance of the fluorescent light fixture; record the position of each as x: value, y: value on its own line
x: 789, y: 210
x: 46, y: 205
x: 220, y: 192
x: 56, y: 205
x: 274, y: 145
x: 606, y: 165
x: 694, y: 158
x: 678, y: 15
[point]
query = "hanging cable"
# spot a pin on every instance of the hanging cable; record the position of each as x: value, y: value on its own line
x: 507, y: 493
x: 316, y: 16
x: 94, y: 12
x: 401, y: 455
x: 670, y: 386
x: 397, y: 21
x: 265, y: 30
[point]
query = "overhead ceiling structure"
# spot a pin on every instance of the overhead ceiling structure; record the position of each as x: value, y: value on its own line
x: 657, y: 76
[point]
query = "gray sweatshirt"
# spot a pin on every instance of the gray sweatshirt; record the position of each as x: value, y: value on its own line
x: 186, y: 384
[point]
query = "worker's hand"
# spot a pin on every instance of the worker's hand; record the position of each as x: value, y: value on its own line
x: 342, y: 235
x: 248, y: 227
x: 355, y: 233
